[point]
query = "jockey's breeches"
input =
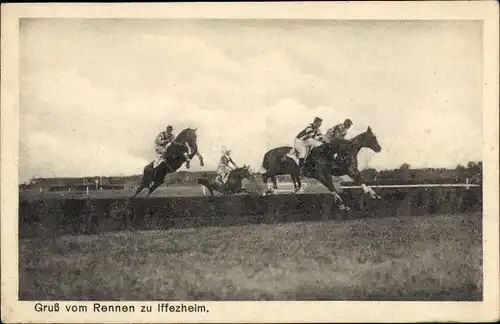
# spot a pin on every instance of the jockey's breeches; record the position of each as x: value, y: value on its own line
x: 223, y: 170
x: 160, y: 151
x: 303, y: 146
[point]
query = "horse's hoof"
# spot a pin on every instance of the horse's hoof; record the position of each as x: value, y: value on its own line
x: 344, y: 208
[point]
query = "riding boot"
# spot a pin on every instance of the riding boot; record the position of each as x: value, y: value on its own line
x: 301, y: 166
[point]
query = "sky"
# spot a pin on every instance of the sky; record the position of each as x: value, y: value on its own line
x: 95, y: 93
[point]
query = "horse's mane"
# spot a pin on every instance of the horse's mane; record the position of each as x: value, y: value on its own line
x: 357, y: 137
x: 183, y: 132
x: 327, y: 146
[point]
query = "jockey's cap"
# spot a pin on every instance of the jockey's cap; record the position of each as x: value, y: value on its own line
x: 348, y: 121
x: 169, y: 127
x: 317, y: 119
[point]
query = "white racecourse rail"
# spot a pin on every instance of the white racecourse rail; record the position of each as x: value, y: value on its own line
x: 434, y: 185
x: 287, y: 187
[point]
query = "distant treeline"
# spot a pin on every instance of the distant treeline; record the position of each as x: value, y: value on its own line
x: 471, y: 173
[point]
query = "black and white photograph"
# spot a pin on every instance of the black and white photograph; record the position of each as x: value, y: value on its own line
x: 251, y: 159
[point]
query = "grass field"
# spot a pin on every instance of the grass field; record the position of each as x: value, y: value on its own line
x: 404, y: 258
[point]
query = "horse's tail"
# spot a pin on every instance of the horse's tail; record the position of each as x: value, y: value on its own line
x: 265, y: 160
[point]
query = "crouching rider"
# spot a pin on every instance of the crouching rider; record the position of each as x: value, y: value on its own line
x: 337, y: 135
x: 163, y: 141
x: 224, y: 167
x: 307, y: 139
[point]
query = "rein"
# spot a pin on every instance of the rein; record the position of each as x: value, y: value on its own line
x: 177, y: 143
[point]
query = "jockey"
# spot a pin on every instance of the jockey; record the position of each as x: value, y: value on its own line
x: 308, y: 138
x: 224, y: 166
x: 162, y: 142
x: 164, y: 139
x: 338, y: 133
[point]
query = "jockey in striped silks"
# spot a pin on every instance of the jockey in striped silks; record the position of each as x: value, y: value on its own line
x: 308, y: 138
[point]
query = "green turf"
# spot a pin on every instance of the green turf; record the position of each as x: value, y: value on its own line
x: 405, y: 258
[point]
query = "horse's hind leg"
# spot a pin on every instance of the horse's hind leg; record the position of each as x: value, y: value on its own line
x: 153, y: 188
x: 265, y: 178
x: 297, y: 184
x: 145, y: 181
x: 139, y: 189
x: 275, y: 184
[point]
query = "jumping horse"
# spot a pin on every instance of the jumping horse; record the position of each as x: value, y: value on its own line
x: 184, y: 144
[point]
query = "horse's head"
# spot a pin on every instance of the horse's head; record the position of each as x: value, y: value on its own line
x: 369, y: 140
x: 245, y: 172
x: 188, y: 135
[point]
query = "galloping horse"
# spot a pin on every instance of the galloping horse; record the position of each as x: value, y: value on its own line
x: 321, y: 165
x: 276, y: 162
x: 153, y: 177
x: 233, y: 184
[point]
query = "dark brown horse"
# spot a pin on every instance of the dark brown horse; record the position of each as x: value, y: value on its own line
x: 233, y: 184
x: 276, y: 162
x: 184, y: 143
x: 321, y: 164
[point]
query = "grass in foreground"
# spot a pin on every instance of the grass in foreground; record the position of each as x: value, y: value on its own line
x: 421, y: 258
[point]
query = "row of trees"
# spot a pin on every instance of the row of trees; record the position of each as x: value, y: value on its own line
x: 405, y: 174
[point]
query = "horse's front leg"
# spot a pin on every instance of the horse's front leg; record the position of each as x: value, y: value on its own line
x: 325, y: 178
x: 358, y: 178
x: 200, y: 158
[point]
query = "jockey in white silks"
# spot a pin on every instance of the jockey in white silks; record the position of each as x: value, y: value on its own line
x: 162, y: 142
x: 224, y: 167
x: 308, y: 138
